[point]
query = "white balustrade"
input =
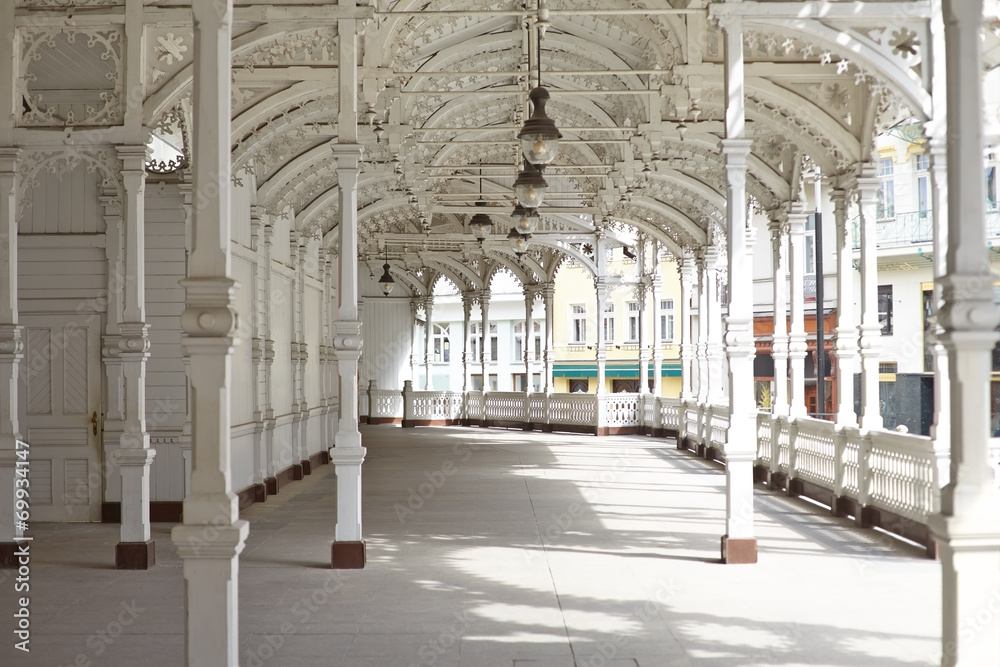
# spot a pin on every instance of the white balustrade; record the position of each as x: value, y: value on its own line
x: 577, y: 409
x: 385, y: 404
x: 670, y: 414
x: 902, y: 470
x: 620, y: 410
x: 815, y: 455
x: 764, y: 439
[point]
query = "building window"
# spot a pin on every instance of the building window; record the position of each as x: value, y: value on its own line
x: 476, y: 344
x: 887, y: 190
x: 923, y: 184
x: 633, y: 321
x: 442, y: 343
x: 518, y: 341
x: 885, y: 309
x: 991, y: 186
x: 538, y: 339
x: 579, y: 386
x: 609, y: 322
x: 476, y: 341
x: 667, y: 321
x: 578, y: 323
x: 929, y: 333
x: 477, y: 382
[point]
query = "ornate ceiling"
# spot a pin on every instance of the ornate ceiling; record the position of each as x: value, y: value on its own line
x: 636, y: 89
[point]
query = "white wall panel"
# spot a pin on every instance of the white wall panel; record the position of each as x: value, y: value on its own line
x: 281, y: 328
x: 386, y: 329
x: 70, y: 268
x: 243, y: 381
x: 241, y: 443
x: 166, y: 380
x: 282, y: 452
x: 64, y: 204
x: 313, y: 339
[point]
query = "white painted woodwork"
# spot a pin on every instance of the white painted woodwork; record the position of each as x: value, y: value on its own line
x: 387, y: 326
x: 64, y: 203
x: 60, y: 391
x: 244, y: 383
x: 281, y: 320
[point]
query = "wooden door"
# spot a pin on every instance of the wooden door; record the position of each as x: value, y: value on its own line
x: 60, y: 403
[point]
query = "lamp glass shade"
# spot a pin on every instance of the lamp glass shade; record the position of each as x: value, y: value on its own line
x: 518, y: 242
x: 525, y: 219
x: 530, y: 187
x: 386, y: 283
x: 480, y: 225
x: 539, y: 136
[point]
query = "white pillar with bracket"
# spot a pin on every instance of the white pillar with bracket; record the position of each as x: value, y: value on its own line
x: 846, y: 338
x: 966, y: 530
x: 797, y: 346
x: 870, y: 330
x: 136, y: 550
x: 686, y: 268
x: 738, y: 544
x: 212, y: 536
x: 11, y: 354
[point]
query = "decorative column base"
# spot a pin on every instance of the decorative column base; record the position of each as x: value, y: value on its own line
x: 347, y: 555
x: 739, y: 550
x: 135, y: 555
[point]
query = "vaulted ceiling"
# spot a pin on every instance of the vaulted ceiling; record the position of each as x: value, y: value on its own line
x: 636, y: 89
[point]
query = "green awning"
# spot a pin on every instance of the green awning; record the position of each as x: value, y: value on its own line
x: 626, y: 370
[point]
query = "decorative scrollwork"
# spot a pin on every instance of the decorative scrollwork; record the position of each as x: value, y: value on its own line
x: 50, y: 98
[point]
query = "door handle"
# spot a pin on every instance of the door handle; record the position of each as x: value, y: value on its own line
x: 93, y: 422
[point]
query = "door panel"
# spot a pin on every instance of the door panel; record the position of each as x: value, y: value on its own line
x: 61, y: 394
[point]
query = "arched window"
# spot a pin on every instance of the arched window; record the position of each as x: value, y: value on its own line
x: 442, y: 343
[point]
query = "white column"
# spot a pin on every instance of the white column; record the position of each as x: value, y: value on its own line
x: 414, y: 336
x: 484, y: 343
x: 779, y: 341
x: 714, y: 350
x: 111, y: 432
x: 845, y: 343
x: 966, y: 530
x: 467, y: 298
x: 135, y: 550
x: 261, y: 455
x: 701, y: 348
x: 657, y: 342
x: 738, y: 544
x: 212, y: 535
x: 548, y: 292
x: 348, y: 549
x: 601, y: 354
x: 686, y: 268
x: 300, y: 352
x: 267, y: 351
x: 941, y: 428
x: 642, y: 290
x: 428, y: 332
x: 11, y: 353
x: 797, y: 336
x: 869, y: 331
x: 529, y: 299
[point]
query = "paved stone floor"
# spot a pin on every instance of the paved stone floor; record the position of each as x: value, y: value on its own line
x: 492, y: 547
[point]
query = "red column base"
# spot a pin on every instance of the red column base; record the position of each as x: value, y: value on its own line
x: 347, y: 555
x: 135, y: 555
x: 740, y: 550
